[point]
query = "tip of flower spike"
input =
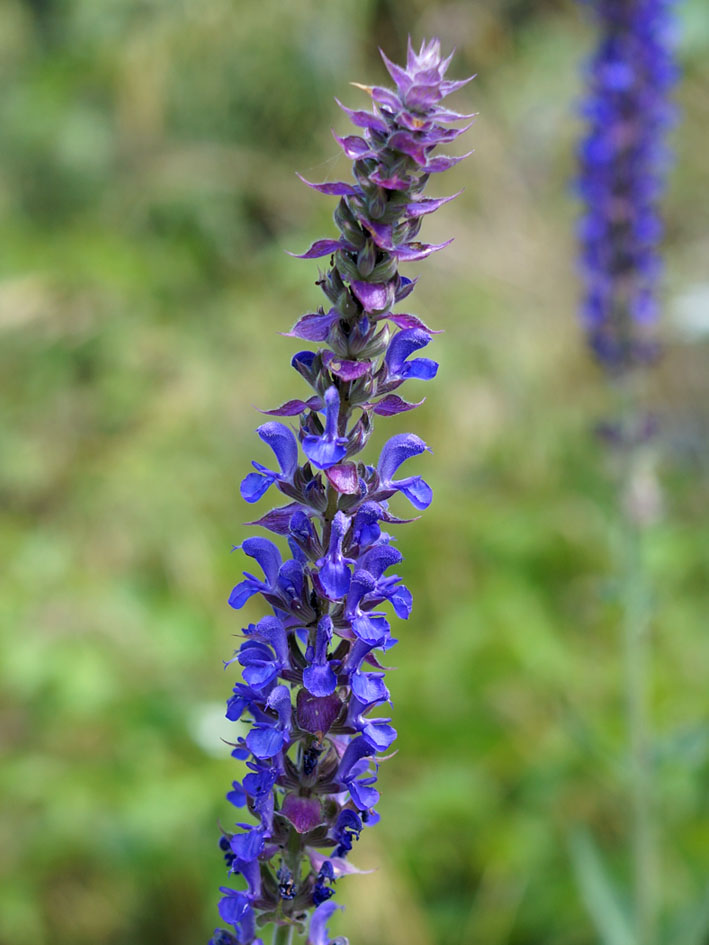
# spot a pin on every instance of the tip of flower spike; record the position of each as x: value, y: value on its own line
x: 399, y: 75
x: 428, y: 56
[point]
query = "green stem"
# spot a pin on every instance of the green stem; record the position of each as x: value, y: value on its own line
x: 282, y: 935
x: 637, y: 665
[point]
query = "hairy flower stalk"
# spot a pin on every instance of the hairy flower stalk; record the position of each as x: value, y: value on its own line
x: 622, y: 164
x: 313, y: 681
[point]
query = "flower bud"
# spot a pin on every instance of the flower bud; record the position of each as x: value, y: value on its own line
x: 348, y: 225
x: 366, y: 259
x: 385, y: 270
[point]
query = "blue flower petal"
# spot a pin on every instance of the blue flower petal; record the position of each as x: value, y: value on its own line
x: 282, y: 441
x: 258, y: 674
x: 369, y: 687
x: 234, y: 907
x: 357, y: 749
x: 327, y: 450
x: 402, y: 601
x: 416, y: 490
x: 265, y: 742
x: 363, y: 794
x: 401, y: 347
x: 335, y: 579
x: 290, y: 579
x: 379, y: 734
x: 374, y: 630
x: 378, y: 559
x: 320, y: 680
x: 254, y: 486
x: 318, y: 933
x: 423, y: 368
x: 396, y: 451
x: 235, y: 707
x: 242, y: 592
x: 247, y: 846
x: 237, y: 796
x: 267, y: 555
x: 324, y: 453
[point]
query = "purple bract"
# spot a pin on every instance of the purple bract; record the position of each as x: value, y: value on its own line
x: 313, y: 685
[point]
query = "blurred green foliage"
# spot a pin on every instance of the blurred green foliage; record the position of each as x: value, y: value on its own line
x: 147, y: 195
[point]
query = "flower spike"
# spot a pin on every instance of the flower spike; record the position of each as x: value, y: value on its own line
x: 622, y: 163
x: 312, y: 680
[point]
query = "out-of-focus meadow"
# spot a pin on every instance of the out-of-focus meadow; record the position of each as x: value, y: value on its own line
x: 147, y: 197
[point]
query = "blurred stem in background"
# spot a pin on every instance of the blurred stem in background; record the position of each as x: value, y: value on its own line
x: 635, y: 512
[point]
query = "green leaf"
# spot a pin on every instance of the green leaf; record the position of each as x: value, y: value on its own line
x: 601, y: 900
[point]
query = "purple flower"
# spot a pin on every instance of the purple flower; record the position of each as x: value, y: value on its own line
x: 402, y: 345
x: 268, y: 735
x: 395, y: 452
x: 622, y: 162
x: 260, y: 664
x: 354, y: 773
x: 319, y: 678
x: 366, y: 528
x: 367, y: 625
x: 269, y: 557
x: 285, y: 447
x: 334, y: 572
x: 247, y: 846
x: 376, y: 562
x: 369, y: 687
x: 322, y: 891
x: 222, y: 937
x: 235, y: 909
x: 312, y: 679
x: 318, y: 933
x: 347, y: 829
x: 329, y: 448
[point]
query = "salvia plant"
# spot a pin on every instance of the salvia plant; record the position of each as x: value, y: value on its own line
x: 313, y: 681
x: 623, y: 160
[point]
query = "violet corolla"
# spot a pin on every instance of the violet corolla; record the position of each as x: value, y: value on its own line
x: 313, y: 685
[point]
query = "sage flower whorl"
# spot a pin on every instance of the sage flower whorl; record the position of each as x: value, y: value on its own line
x: 622, y: 165
x: 311, y: 674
